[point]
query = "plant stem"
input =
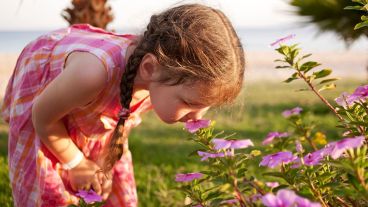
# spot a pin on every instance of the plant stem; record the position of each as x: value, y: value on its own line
x: 239, y: 197
x: 310, y: 141
x: 319, y: 95
x: 358, y: 173
x: 316, y: 192
x: 343, y: 203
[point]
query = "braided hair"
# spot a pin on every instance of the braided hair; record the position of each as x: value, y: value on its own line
x: 192, y: 43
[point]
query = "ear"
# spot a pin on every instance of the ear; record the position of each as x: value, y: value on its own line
x: 149, y: 68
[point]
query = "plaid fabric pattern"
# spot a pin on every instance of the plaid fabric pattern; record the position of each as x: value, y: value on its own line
x: 36, y: 176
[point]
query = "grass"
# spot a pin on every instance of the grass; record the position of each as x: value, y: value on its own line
x: 160, y: 151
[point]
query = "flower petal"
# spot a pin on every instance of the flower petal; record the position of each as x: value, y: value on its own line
x: 193, y: 126
x: 221, y: 143
x: 239, y: 144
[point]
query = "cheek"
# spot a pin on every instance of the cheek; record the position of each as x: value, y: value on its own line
x: 165, y: 110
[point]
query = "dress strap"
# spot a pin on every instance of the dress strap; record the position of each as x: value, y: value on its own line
x: 91, y: 28
x: 137, y: 105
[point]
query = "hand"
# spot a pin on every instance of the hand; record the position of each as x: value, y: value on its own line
x: 84, y: 176
x: 106, y: 184
x: 105, y: 180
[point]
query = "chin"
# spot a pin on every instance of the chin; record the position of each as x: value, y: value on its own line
x: 170, y: 121
x: 164, y: 119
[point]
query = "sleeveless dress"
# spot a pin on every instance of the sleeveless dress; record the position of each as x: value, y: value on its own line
x: 37, y: 178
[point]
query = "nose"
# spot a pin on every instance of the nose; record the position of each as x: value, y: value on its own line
x: 195, y: 115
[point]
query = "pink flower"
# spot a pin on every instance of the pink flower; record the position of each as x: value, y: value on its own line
x: 344, y: 100
x: 278, y: 158
x: 303, y: 202
x: 89, y: 196
x: 188, y: 177
x: 206, y: 155
x: 360, y: 94
x: 283, y: 198
x: 287, y: 198
x: 299, y: 146
x: 292, y: 112
x: 193, y: 126
x: 233, y: 144
x: 284, y: 39
x: 335, y: 149
x: 314, y: 158
x: 272, y: 184
x: 272, y: 135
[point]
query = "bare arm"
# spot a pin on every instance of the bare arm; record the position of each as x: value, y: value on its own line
x: 82, y: 80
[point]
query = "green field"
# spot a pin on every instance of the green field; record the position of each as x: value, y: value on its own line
x: 160, y: 151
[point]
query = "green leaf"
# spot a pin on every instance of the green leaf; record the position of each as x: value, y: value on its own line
x: 274, y: 174
x: 364, y: 18
x: 282, y: 67
x: 359, y: 2
x: 293, y: 54
x: 279, y: 188
x: 354, y: 181
x: 360, y: 123
x: 307, y: 66
x: 303, y: 89
x: 361, y: 24
x: 213, y: 195
x: 98, y: 204
x: 328, y: 80
x: 284, y: 50
x: 290, y: 79
x: 322, y: 73
x: 241, y: 172
x: 195, y: 152
x: 353, y: 7
x: 305, y: 56
x: 279, y: 60
x: 327, y: 87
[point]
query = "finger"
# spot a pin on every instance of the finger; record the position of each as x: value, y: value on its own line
x: 85, y: 187
x: 96, y: 185
x: 73, y: 187
x: 101, y: 177
x: 106, y: 189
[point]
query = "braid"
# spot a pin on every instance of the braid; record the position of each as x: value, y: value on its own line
x: 115, y: 148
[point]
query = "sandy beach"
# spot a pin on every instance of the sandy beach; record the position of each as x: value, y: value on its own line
x: 260, y: 66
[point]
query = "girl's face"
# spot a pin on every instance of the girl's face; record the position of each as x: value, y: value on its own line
x: 178, y: 103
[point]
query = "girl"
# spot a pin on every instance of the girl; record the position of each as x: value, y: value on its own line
x: 76, y: 93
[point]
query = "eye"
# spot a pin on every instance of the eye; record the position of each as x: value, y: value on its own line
x: 186, y: 102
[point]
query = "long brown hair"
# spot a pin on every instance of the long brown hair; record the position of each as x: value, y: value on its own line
x: 194, y: 44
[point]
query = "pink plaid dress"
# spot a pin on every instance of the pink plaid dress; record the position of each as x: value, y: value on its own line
x: 36, y: 176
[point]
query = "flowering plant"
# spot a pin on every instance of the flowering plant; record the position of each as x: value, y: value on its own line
x: 88, y: 199
x: 301, y: 168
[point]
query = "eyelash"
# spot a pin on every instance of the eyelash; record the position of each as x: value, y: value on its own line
x: 187, y: 103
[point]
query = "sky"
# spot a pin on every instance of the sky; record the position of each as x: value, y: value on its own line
x: 45, y: 14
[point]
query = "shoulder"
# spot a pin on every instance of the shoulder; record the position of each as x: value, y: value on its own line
x: 89, y: 68
x: 82, y: 79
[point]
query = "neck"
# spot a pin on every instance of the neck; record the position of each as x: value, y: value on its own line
x: 139, y: 87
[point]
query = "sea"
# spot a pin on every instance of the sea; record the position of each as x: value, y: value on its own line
x: 253, y: 39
